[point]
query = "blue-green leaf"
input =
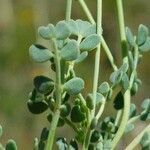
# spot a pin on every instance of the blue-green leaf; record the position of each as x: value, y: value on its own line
x: 47, y: 32
x: 70, y: 51
x: 39, y: 53
x: 81, y: 57
x: 142, y: 34
x: 130, y: 37
x: 62, y: 144
x: 146, y: 46
x: 43, y: 84
x: 74, y: 86
x: 90, y: 42
x: 62, y: 30
x: 129, y: 128
x: 104, y: 88
x: 145, y: 141
x: 73, y: 27
x: 132, y: 110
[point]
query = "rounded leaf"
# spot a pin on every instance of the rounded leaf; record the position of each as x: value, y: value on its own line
x: 47, y: 32
x: 43, y: 84
x: 65, y: 110
x: 104, y: 88
x: 95, y: 136
x: 11, y: 145
x: 62, y: 144
x: 93, y: 123
x: 36, y: 96
x: 142, y: 34
x: 37, y: 107
x: 130, y: 37
x: 146, y: 46
x: 70, y: 51
x: 81, y: 57
x: 73, y: 27
x: 132, y: 110
x: 129, y: 128
x: 73, y: 145
x: 90, y: 42
x: 145, y: 141
x: 74, y: 86
x: 62, y: 30
x: 77, y: 115
x: 44, y: 134
x: 119, y: 101
x: 39, y: 53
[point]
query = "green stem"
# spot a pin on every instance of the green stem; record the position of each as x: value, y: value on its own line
x: 104, y: 45
x: 134, y: 119
x: 122, y: 27
x: 56, y: 115
x: 100, y: 112
x: 96, y: 74
x: 117, y: 120
x: 124, y: 120
x: 68, y: 9
x: 137, y: 139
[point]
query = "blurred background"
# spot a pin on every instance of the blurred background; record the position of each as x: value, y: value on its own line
x: 19, y: 20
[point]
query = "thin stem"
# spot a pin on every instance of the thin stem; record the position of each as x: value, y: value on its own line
x: 134, y: 119
x: 68, y: 9
x: 136, y: 56
x: 56, y: 115
x: 104, y: 45
x: 124, y: 120
x: 122, y: 27
x: 137, y: 139
x: 100, y: 112
x: 96, y: 73
x: 87, y: 11
x: 119, y: 114
x: 97, y: 54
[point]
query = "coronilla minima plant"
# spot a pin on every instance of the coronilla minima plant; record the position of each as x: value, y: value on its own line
x: 61, y: 97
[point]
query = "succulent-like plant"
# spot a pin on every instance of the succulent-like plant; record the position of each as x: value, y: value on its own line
x: 62, y: 97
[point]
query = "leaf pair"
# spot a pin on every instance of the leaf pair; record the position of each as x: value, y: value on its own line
x: 63, y: 145
x: 60, y: 31
x: 143, y: 39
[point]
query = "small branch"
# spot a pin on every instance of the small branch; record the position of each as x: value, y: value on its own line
x: 137, y: 139
x: 122, y: 27
x: 118, y: 117
x: 132, y: 120
x: 124, y: 120
x: 104, y: 45
x: 68, y: 9
x: 101, y: 110
x: 56, y: 115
